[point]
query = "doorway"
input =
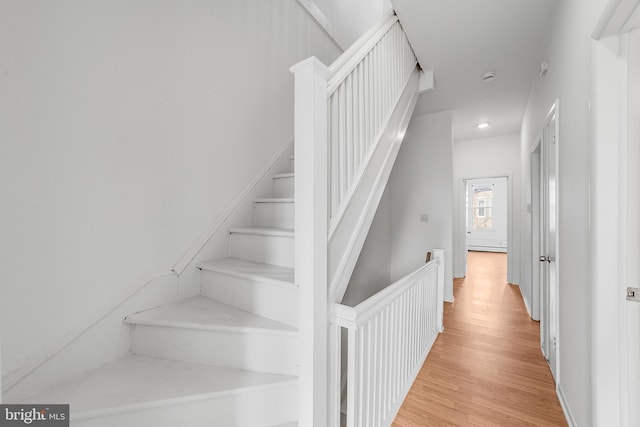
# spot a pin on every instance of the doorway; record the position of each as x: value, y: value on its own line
x: 486, y: 214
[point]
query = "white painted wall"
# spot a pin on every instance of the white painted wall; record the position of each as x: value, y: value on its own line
x: 422, y: 183
x: 373, y: 269
x: 127, y: 128
x: 567, y: 52
x: 481, y: 158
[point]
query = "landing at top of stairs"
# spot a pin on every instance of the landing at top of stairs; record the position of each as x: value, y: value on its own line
x: 206, y: 314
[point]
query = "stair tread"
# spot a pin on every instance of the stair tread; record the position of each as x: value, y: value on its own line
x: 264, y: 231
x: 274, y: 200
x: 142, y: 382
x: 284, y: 175
x: 250, y: 270
x: 204, y: 313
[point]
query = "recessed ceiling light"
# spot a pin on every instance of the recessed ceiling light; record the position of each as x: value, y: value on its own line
x: 483, y: 125
x: 489, y: 76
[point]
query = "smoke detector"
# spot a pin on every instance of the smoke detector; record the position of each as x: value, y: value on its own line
x: 544, y: 67
x: 489, y: 76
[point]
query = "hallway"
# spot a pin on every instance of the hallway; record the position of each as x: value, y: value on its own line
x: 486, y: 369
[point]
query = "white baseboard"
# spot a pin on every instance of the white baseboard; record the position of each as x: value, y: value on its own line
x: 565, y: 407
x: 526, y: 302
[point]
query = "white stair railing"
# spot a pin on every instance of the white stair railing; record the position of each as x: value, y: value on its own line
x: 362, y: 93
x: 350, y: 120
x: 388, y: 338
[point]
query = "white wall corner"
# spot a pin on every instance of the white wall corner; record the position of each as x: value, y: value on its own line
x: 426, y: 81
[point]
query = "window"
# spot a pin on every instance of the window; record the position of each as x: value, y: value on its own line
x: 482, y: 207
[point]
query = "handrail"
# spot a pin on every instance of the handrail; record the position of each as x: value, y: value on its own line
x: 350, y: 58
x: 388, y: 338
x: 347, y: 316
x: 360, y: 100
x: 346, y: 115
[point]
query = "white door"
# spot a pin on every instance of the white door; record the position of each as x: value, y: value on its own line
x: 633, y: 231
x: 548, y: 242
x: 487, y: 214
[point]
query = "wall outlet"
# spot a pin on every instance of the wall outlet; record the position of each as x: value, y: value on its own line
x: 424, y: 218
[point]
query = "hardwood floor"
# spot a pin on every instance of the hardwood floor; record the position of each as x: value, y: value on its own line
x: 486, y: 369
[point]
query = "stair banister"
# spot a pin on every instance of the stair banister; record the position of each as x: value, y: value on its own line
x: 389, y: 335
x: 346, y: 114
x: 311, y: 208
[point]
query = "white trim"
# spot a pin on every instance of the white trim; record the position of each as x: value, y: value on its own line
x: 555, y: 110
x: 535, y: 220
x: 237, y: 201
x: 319, y: 18
x: 565, y: 407
x: 349, y: 60
x: 31, y: 364
x: 617, y: 18
x: 526, y: 302
x: 462, y: 226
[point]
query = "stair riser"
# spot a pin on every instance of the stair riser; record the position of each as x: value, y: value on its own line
x: 278, y: 215
x: 283, y: 187
x: 262, y: 298
x: 266, y: 406
x: 272, y: 353
x: 276, y: 250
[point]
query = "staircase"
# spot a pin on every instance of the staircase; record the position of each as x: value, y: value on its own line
x: 255, y: 347
x: 228, y: 357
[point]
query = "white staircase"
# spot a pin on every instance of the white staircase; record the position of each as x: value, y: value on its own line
x: 228, y: 357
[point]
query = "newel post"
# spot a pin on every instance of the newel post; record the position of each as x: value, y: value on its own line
x: 439, y: 253
x: 311, y: 230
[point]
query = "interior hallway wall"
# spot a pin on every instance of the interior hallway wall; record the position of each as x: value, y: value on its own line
x: 372, y: 272
x: 422, y: 183
x: 567, y: 53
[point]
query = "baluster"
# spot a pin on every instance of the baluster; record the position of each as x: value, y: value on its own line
x: 362, y: 376
x: 368, y: 372
x: 351, y: 376
x: 335, y: 153
x: 342, y: 144
x: 388, y: 349
x: 361, y: 110
x: 398, y: 339
x: 367, y: 102
x: 335, y: 364
x: 349, y: 140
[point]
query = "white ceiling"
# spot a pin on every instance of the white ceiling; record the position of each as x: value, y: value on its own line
x: 460, y: 40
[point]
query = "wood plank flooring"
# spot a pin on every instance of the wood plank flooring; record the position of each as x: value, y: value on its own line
x: 486, y: 369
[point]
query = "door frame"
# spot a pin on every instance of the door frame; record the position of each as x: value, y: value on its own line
x: 494, y: 208
x: 461, y: 246
x: 543, y: 138
x: 536, y: 228
x: 614, y: 396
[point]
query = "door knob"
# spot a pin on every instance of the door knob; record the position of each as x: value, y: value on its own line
x: 544, y: 258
